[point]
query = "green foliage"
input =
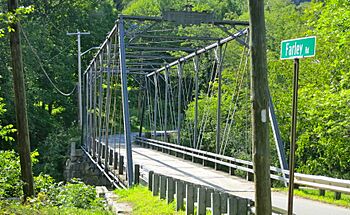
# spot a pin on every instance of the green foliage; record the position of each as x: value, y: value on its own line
x: 54, y: 152
x: 8, y: 18
x: 50, y: 195
x: 15, y: 207
x: 70, y: 195
x: 5, y: 130
x: 10, y: 175
x: 323, y: 126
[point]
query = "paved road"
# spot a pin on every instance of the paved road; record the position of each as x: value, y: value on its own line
x: 196, y: 173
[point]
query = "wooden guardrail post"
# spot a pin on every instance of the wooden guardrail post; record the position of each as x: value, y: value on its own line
x: 162, y: 192
x: 170, y: 190
x: 115, y: 161
x: 203, y: 162
x: 231, y: 170
x: 99, y: 149
x: 223, y: 202
x: 155, y: 184
x: 322, y: 192
x: 189, y: 199
x: 103, y: 151
x: 250, y: 176
x: 137, y: 174
x: 110, y: 161
x: 150, y: 180
x: 232, y: 205
x: 208, y: 192
x: 201, y: 208
x: 121, y: 165
x: 337, y: 195
x: 242, y: 206
x: 195, y: 193
x: 215, y: 203
x: 179, y: 195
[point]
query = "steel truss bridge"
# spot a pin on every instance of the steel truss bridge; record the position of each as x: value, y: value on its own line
x: 157, y: 82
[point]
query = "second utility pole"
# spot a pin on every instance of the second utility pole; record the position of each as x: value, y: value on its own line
x: 260, y: 107
x: 78, y: 33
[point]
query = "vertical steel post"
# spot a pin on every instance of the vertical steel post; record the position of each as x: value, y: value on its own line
x: 142, y: 112
x: 86, y: 113
x: 90, y: 110
x: 179, y: 100
x: 293, y: 137
x: 166, y: 77
x: 79, y: 85
x: 100, y: 95
x: 126, y: 118
x: 155, y: 79
x: 196, y: 68
x: 218, y: 54
x: 108, y: 102
x: 94, y: 119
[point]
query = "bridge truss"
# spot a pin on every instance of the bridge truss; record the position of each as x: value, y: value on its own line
x: 154, y: 65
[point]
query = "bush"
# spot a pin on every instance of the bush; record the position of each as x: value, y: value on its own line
x: 74, y: 194
x: 70, y: 195
x: 10, y: 175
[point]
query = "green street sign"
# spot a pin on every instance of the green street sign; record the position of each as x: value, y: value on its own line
x: 298, y: 48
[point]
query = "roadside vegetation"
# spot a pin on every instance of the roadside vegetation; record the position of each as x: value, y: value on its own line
x: 143, y: 202
x: 72, y: 197
x: 313, y: 194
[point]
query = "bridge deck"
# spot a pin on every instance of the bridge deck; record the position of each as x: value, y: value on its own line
x: 193, y: 172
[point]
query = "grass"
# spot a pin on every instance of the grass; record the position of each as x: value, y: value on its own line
x: 313, y: 194
x: 144, y: 203
x: 15, y: 207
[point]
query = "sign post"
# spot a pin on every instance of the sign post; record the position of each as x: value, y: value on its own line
x: 295, y: 49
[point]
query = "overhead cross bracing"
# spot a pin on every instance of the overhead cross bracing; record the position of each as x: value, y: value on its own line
x: 158, y: 52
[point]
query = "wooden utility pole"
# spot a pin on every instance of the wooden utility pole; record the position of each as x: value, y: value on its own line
x: 20, y: 105
x: 260, y: 100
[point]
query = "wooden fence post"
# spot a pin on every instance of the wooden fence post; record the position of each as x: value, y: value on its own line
x: 115, y: 161
x: 110, y: 157
x: 223, y: 203
x: 322, y: 192
x: 170, y: 190
x: 137, y: 174
x: 162, y: 194
x: 150, y: 180
x: 189, y: 199
x: 337, y: 195
x: 242, y: 206
x: 208, y: 192
x: 215, y: 203
x: 201, y: 208
x: 155, y: 185
x: 179, y: 195
x: 121, y: 165
x: 232, y: 205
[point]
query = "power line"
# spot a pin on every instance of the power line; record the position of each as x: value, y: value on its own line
x: 42, y: 68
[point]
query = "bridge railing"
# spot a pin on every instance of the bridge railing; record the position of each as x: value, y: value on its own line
x: 205, y: 156
x: 319, y: 182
